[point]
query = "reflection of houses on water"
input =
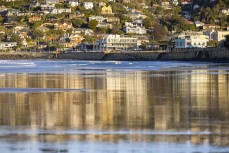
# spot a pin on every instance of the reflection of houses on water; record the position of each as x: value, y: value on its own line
x: 184, y: 100
x: 127, y: 95
x: 209, y: 95
x: 200, y: 91
x: 108, y: 101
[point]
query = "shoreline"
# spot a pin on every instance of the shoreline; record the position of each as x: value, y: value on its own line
x: 203, y: 55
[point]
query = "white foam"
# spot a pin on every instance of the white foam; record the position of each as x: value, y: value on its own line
x: 95, y: 132
x: 65, y: 66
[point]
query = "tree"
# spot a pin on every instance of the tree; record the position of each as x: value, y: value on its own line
x: 123, y: 18
x: 16, y: 38
x: 60, y: 5
x: 77, y: 22
x: 147, y: 12
x: 35, y: 9
x: 118, y: 8
x: 223, y: 20
x: 212, y: 43
x: 158, y: 10
x: 2, y: 36
x: 81, y: 8
x: 20, y: 4
x: 37, y: 34
x: 1, y: 19
x: 35, y: 24
x: 115, y: 28
x: 186, y: 27
x: 101, y: 30
x: 93, y: 24
x: 69, y: 31
x: 89, y: 39
x: 97, y: 10
x: 147, y: 22
x: 54, y: 46
x: 183, y: 25
x: 226, y: 42
x: 159, y: 32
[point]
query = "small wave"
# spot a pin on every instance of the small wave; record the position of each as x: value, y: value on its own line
x: 157, y: 75
x: 76, y: 132
x: 41, y: 66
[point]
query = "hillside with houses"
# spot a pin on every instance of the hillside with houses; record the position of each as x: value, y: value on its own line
x: 112, y: 25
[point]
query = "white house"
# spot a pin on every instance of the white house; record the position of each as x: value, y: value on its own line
x: 225, y: 11
x: 73, y: 3
x: 135, y: 30
x: 196, y: 7
x: 100, y: 19
x: 165, y: 4
x: 84, y: 31
x: 3, y: 9
x: 135, y: 15
x: 47, y: 7
x: 88, y: 5
x: 198, y: 24
x: 191, y: 41
x: 63, y: 26
x: 101, y: 4
x: 52, y: 1
x: 104, y: 25
x: 7, y: 45
x: 88, y: 32
x: 135, y: 27
x: 219, y: 35
x: 210, y: 26
x: 174, y: 2
x: 117, y: 42
x: 136, y: 22
x: 24, y: 43
x: 2, y: 32
x: 186, y: 2
x: 187, y: 15
x: 216, y: 35
x: 62, y: 10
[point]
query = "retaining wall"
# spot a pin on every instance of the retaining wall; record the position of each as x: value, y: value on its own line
x: 208, y: 54
x: 25, y: 55
x: 82, y: 55
x: 190, y: 54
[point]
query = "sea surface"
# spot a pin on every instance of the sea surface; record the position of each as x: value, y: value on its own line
x: 68, y: 106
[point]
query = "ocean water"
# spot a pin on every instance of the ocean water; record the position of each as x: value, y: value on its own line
x: 113, y: 107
